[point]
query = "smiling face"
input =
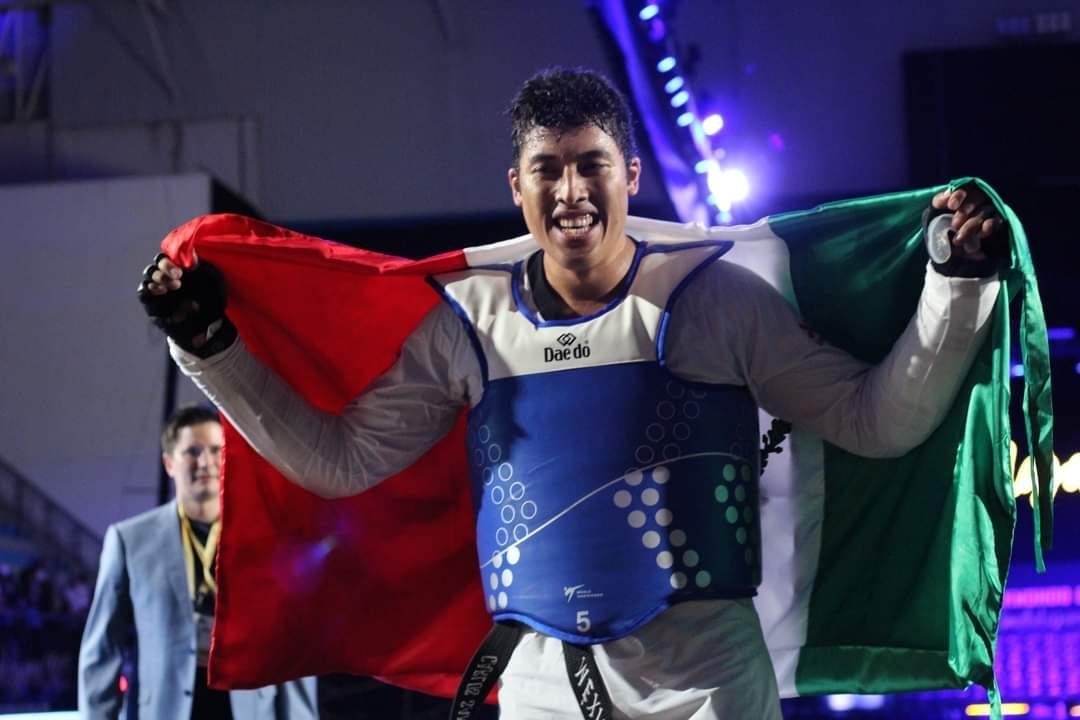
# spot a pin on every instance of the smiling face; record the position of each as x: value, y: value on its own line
x: 573, y: 187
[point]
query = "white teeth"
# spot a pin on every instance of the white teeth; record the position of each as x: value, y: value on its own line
x: 575, y: 223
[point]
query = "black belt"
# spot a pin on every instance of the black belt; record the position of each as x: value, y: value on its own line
x: 491, y: 658
x: 589, y: 689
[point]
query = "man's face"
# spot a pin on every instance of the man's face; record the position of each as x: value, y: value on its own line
x: 573, y: 189
x: 195, y: 462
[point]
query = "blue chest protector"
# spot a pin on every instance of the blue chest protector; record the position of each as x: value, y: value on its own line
x: 606, y: 488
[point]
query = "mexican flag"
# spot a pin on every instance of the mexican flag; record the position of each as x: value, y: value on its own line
x: 879, y: 575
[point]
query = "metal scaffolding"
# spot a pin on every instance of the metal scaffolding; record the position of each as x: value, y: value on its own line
x: 26, y: 27
x: 24, y: 60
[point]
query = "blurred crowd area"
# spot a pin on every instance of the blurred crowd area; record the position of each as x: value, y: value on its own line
x: 43, y: 608
x: 42, y: 612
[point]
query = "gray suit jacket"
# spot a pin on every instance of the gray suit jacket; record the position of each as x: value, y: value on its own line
x: 141, y: 605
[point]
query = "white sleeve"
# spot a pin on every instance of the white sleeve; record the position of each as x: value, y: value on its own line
x: 381, y: 432
x: 757, y: 340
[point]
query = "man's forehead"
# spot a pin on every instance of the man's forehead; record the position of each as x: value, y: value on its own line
x: 548, y: 135
x: 200, y: 431
x: 559, y: 142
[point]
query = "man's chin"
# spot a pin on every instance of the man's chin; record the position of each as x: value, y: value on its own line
x: 575, y: 254
x: 205, y: 496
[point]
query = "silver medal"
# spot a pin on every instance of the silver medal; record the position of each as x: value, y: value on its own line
x: 938, y: 242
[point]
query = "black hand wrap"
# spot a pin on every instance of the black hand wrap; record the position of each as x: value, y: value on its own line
x: 194, y: 315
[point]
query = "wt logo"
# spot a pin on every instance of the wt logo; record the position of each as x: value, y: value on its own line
x: 568, y: 351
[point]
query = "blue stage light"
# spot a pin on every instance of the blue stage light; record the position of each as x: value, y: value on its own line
x: 674, y: 84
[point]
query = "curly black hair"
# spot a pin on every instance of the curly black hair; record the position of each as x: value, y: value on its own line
x: 566, y: 98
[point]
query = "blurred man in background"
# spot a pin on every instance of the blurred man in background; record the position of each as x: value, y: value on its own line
x: 154, y: 601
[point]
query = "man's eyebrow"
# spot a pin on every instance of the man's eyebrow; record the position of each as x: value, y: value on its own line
x: 595, y: 155
x: 541, y: 157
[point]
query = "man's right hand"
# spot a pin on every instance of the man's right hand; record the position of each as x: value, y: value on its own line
x: 188, y: 306
x: 161, y: 276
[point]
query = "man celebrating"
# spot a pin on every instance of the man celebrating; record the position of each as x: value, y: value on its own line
x: 154, y: 601
x: 604, y: 567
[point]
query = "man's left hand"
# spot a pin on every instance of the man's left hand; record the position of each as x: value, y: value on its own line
x: 975, y: 221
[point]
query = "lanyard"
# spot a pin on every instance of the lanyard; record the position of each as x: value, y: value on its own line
x: 206, y: 552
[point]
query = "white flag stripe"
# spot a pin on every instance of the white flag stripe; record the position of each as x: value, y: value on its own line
x: 656, y: 231
x: 792, y: 488
x: 792, y: 510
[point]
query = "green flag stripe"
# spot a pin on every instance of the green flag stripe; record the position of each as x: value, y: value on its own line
x: 914, y: 551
